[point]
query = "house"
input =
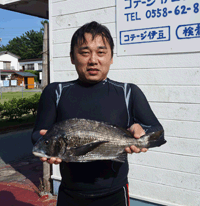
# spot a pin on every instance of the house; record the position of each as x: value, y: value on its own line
x: 9, y: 61
x: 9, y: 65
x: 22, y: 65
x: 167, y: 69
x: 31, y: 64
x: 24, y: 78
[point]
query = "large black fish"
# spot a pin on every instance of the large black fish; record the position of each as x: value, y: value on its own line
x: 81, y: 140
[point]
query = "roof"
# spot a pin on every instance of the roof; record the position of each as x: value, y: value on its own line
x: 4, y: 74
x: 30, y: 60
x: 7, y: 52
x: 7, y: 71
x: 26, y: 74
x: 37, y: 8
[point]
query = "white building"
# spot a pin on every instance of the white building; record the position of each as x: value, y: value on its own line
x: 170, y: 79
x: 9, y: 61
x: 31, y: 64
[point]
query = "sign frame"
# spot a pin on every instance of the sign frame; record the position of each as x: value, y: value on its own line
x: 141, y: 26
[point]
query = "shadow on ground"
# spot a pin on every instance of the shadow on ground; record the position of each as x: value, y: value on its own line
x: 7, y: 197
x: 17, y: 164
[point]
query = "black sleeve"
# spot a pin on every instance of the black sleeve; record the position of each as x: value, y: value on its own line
x: 46, y: 114
x: 142, y: 112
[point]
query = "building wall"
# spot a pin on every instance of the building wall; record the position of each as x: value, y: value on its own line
x: 1, y: 64
x: 35, y: 66
x: 169, y: 175
x: 14, y: 61
x: 20, y: 79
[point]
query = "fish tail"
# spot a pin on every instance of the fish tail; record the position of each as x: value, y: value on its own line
x: 156, y: 139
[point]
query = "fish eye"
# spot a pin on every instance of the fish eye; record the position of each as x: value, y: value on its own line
x: 46, y: 142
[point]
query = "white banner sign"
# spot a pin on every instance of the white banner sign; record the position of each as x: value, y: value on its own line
x: 6, y: 83
x: 13, y: 82
x: 157, y: 26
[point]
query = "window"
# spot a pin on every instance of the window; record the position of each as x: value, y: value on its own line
x: 6, y: 65
x: 29, y: 67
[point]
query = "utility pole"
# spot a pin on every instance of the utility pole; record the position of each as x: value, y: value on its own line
x: 45, y: 57
x: 45, y: 82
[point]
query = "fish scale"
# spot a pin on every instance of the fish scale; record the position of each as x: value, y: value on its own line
x: 81, y: 140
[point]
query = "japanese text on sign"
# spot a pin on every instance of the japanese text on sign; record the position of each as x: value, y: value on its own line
x: 144, y: 35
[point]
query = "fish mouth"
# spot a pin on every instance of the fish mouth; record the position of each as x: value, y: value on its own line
x: 39, y: 154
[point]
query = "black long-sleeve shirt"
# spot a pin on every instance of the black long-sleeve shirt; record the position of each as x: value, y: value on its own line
x: 109, y: 101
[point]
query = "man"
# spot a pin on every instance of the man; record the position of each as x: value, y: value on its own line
x: 94, y: 96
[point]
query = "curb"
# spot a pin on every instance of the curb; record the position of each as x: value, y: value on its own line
x: 13, y: 128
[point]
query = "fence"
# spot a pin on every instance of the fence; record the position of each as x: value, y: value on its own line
x: 14, y: 83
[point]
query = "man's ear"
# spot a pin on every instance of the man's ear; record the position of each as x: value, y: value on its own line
x: 72, y: 59
x: 111, y: 60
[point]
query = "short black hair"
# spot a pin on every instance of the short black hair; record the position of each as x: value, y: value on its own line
x: 95, y: 29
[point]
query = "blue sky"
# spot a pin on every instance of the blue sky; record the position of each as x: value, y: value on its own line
x: 13, y: 24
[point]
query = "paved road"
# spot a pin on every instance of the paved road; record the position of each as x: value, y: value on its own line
x: 15, y: 145
x: 20, y: 180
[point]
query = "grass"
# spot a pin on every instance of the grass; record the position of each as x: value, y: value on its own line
x: 9, y: 95
x: 22, y: 120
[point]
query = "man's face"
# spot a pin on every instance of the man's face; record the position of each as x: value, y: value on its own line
x: 92, y: 59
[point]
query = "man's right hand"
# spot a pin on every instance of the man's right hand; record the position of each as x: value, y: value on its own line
x: 52, y: 160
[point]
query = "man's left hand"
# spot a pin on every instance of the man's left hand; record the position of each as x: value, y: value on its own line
x: 137, y: 131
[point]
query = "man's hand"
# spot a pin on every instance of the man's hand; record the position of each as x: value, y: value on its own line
x: 52, y: 160
x: 137, y: 131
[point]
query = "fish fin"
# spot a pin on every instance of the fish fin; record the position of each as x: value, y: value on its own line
x: 121, y: 157
x: 84, y: 149
x: 156, y: 139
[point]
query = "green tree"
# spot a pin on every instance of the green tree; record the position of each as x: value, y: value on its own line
x: 27, y: 46
x: 43, y: 22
